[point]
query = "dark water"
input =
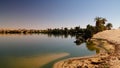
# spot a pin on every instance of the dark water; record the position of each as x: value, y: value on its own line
x: 29, y: 51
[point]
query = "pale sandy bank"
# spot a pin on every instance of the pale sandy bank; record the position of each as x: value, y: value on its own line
x: 109, y: 57
x: 112, y: 36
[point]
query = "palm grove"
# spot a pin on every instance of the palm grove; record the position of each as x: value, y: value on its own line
x: 83, y: 33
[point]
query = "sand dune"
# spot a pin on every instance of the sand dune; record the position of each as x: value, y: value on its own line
x: 110, y: 35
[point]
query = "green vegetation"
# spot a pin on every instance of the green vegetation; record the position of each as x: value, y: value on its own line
x: 82, y: 33
x: 109, y: 26
x: 100, y: 24
x: 20, y: 31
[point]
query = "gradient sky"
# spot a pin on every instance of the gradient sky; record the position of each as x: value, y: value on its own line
x: 42, y: 14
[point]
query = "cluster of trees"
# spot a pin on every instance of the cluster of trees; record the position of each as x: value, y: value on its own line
x: 82, y: 34
x: 85, y: 33
x: 19, y: 31
x: 65, y: 30
x: 91, y: 30
x: 100, y: 24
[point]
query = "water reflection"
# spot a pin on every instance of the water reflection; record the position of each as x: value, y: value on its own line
x: 92, y: 47
x: 79, y: 40
x: 59, y: 35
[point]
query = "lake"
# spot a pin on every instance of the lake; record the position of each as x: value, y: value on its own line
x: 38, y: 50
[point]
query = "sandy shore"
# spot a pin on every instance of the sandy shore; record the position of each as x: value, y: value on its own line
x: 109, y: 57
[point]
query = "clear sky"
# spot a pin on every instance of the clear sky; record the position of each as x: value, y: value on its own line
x: 41, y: 14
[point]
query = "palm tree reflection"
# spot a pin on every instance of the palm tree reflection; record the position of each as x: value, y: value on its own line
x: 89, y: 44
x: 92, y: 47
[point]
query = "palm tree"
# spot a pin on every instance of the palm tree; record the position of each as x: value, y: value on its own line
x: 100, y: 24
x: 109, y: 26
x: 97, y: 19
x: 104, y: 20
x: 100, y: 21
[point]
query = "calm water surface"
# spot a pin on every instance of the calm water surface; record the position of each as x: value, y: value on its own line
x: 38, y: 51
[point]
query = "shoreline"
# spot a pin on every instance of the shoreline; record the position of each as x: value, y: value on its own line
x: 59, y: 63
x: 109, y: 57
